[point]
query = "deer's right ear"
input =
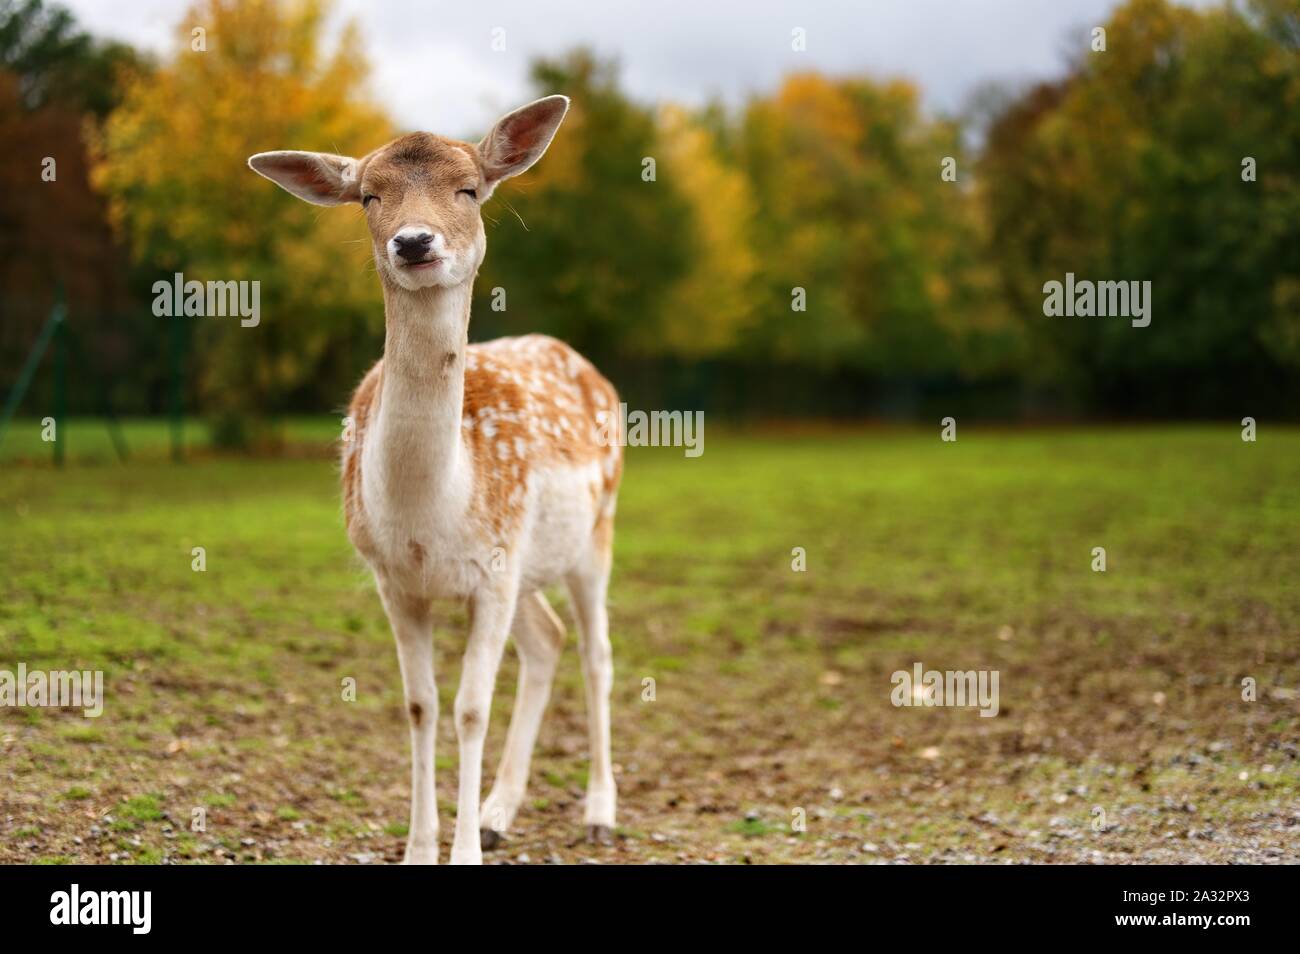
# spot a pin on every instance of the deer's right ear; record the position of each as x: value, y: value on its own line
x: 319, y: 177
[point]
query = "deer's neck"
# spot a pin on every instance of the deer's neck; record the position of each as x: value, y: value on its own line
x: 415, y: 452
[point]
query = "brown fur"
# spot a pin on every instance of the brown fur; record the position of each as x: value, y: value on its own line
x: 416, y: 178
x: 528, y: 401
x: 520, y: 425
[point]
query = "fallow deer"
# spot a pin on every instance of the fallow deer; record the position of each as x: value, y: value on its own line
x: 480, y: 473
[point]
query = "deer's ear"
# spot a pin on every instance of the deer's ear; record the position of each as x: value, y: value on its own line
x: 519, y: 139
x: 319, y: 177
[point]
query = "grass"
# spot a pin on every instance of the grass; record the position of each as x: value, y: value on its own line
x: 1121, y: 692
x: 89, y: 440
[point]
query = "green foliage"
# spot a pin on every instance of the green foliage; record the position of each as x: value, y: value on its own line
x: 56, y: 61
x: 55, y: 82
x: 1129, y: 168
x: 854, y: 211
x: 1132, y: 169
x: 586, y: 249
x: 183, y: 193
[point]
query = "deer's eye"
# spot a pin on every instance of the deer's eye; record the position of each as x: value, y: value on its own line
x: 367, y: 199
x: 472, y: 193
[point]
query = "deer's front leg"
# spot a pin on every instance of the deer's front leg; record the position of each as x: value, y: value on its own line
x: 412, y: 625
x: 490, y: 613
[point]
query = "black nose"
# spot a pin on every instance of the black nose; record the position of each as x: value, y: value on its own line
x: 413, y: 247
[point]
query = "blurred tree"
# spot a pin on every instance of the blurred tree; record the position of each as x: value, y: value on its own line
x: 801, y: 151
x: 586, y: 248
x: 1132, y: 169
x: 673, y: 241
x: 56, y: 62
x: 55, y: 83
x: 174, y: 160
x: 710, y: 306
x: 854, y: 210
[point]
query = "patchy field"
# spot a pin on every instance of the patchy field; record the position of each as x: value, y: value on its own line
x: 1120, y: 692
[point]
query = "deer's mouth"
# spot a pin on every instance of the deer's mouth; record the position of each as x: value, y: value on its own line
x: 422, y: 265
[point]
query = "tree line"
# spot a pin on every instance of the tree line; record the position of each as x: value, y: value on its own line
x: 830, y: 247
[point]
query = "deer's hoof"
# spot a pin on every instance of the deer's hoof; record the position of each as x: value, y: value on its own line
x: 599, y: 835
x: 488, y: 839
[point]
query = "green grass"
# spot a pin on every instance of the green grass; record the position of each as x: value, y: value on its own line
x: 771, y: 686
x: 89, y: 440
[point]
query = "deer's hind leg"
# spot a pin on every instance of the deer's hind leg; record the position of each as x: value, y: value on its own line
x: 539, y: 639
x: 588, y: 585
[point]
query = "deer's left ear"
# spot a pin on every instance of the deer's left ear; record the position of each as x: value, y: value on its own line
x: 519, y: 139
x: 319, y: 177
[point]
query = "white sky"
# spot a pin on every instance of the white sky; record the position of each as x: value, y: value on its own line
x: 434, y: 66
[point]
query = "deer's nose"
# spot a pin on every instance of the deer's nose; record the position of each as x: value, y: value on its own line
x: 413, y: 246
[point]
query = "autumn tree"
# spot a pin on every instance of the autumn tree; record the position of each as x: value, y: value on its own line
x: 56, y: 83
x: 588, y: 244
x: 861, y: 227
x: 248, y: 76
x: 1171, y: 157
x: 711, y: 305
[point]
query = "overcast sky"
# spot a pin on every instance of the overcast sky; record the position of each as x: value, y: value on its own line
x: 434, y: 65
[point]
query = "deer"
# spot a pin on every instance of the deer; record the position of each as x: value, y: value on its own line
x: 476, y: 473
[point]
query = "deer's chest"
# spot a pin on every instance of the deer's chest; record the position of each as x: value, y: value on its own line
x: 432, y: 556
x: 419, y: 531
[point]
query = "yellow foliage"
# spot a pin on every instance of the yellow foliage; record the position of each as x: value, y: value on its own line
x: 173, y: 161
x: 708, y: 307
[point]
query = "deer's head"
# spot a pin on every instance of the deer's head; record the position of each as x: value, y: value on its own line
x: 422, y: 193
